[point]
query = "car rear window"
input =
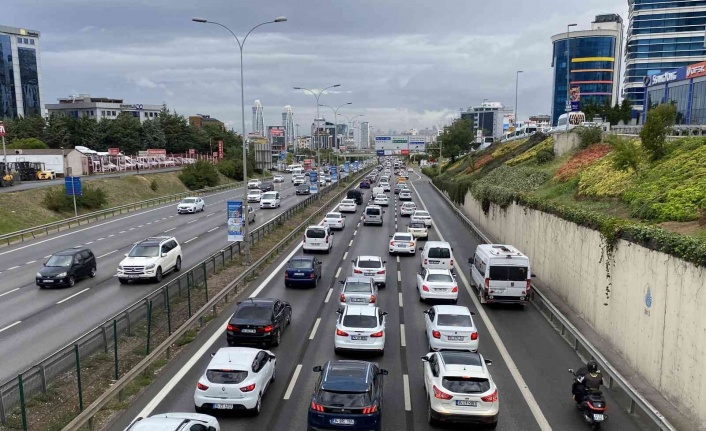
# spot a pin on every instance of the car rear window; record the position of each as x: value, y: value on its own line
x: 333, y: 215
x: 357, y: 287
x: 454, y: 320
x: 344, y: 399
x: 253, y: 313
x: 226, y: 376
x: 300, y: 264
x: 372, y: 211
x: 353, y: 321
x: 315, y: 233
x: 417, y: 224
x: 421, y: 214
x: 369, y: 264
x: 508, y: 273
x: 466, y: 385
x: 440, y: 278
x: 402, y: 238
x: 439, y: 253
x: 348, y: 201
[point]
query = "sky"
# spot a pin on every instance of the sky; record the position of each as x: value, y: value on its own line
x: 402, y: 64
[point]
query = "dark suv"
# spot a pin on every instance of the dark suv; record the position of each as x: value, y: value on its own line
x: 356, y: 195
x: 67, y: 266
x: 347, y: 395
x: 259, y: 321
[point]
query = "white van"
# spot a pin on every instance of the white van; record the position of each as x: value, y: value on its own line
x: 269, y: 200
x: 437, y: 255
x: 377, y: 190
x: 501, y: 273
x: 373, y: 215
x: 318, y: 238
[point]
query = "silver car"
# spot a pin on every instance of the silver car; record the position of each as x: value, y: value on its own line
x: 358, y: 290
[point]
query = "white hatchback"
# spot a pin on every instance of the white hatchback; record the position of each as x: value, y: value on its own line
x: 402, y: 242
x: 371, y: 266
x: 360, y: 327
x: 437, y: 284
x: 381, y: 200
x: 347, y: 206
x: 450, y: 327
x: 335, y: 220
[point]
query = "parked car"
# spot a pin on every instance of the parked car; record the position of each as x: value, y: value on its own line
x: 259, y: 321
x: 302, y: 270
x: 65, y: 267
x: 360, y: 328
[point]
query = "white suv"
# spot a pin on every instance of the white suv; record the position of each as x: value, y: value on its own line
x: 175, y: 422
x: 150, y: 259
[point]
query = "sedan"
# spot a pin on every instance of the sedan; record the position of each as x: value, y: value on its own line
x: 385, y: 186
x: 335, y: 220
x: 259, y: 321
x: 402, y: 242
x: 407, y: 209
x: 303, y: 189
x: 254, y: 184
x: 358, y: 290
x: 347, y: 206
x: 360, y: 328
x: 302, y: 270
x: 371, y: 266
x: 267, y: 187
x: 278, y: 179
x: 437, y: 284
x: 450, y: 327
x: 405, y: 195
x: 254, y: 195
x: 418, y: 230
x: 365, y: 184
x: 190, y: 205
x: 382, y: 200
x: 422, y: 216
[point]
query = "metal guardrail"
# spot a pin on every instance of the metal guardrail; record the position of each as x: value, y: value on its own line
x: 573, y: 336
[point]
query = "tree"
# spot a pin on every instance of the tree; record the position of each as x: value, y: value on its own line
x: 57, y: 133
x: 626, y: 111
x: 27, y: 144
x: 627, y: 153
x: 33, y: 126
x: 176, y: 131
x: 289, y: 159
x: 660, y: 120
x: 199, y: 175
x: 456, y: 139
x: 153, y: 135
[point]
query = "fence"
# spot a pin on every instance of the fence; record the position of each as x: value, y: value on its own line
x: 621, y: 390
x: 81, y: 372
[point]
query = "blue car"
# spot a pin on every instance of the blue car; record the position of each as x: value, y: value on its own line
x: 364, y: 184
x: 347, y: 396
x: 302, y: 271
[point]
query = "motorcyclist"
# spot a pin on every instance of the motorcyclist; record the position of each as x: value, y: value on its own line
x: 588, y: 379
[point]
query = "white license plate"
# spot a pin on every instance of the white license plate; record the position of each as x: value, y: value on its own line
x: 455, y: 338
x: 434, y: 261
x: 48, y: 281
x: 439, y: 290
x: 248, y: 331
x: 315, y: 243
x: 357, y: 299
x: 223, y: 406
x: 133, y: 276
x: 298, y: 274
x: 369, y: 273
x: 597, y: 416
x: 466, y: 403
x: 343, y: 421
x: 359, y: 337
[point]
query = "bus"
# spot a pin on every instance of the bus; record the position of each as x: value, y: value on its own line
x: 291, y: 168
x: 568, y: 121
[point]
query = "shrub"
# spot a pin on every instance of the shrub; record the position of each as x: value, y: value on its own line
x: 627, y: 153
x: 93, y: 198
x: 654, y: 132
x: 227, y: 167
x: 545, y: 156
x: 154, y: 186
x: 532, y: 152
x: 589, y: 135
x: 602, y: 180
x: 199, y: 175
x: 507, y: 147
x: 581, y: 160
x: 502, y: 183
x: 27, y: 144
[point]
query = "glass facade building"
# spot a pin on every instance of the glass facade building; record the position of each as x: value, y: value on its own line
x: 663, y: 35
x: 685, y: 87
x: 20, y: 73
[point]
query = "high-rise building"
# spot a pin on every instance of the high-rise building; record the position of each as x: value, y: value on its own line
x: 288, y: 123
x: 663, y: 35
x: 364, y: 134
x: 20, y: 73
x: 487, y: 118
x: 258, y: 119
x: 595, y: 57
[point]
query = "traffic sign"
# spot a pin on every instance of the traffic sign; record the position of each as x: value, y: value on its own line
x: 313, y: 182
x: 73, y: 186
x: 2, y: 129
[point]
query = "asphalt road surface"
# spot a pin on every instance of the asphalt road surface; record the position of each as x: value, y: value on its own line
x: 530, y: 360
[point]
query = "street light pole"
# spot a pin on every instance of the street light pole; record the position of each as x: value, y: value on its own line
x: 568, y: 67
x: 517, y: 82
x: 318, y: 116
x: 242, y: 106
x: 335, y: 133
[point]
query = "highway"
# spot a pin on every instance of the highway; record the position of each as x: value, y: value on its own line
x: 530, y: 359
x: 36, y: 322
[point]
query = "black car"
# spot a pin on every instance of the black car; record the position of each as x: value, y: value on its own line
x: 67, y: 266
x: 302, y: 270
x: 356, y: 195
x: 267, y: 187
x: 303, y: 189
x: 347, y: 395
x: 259, y: 321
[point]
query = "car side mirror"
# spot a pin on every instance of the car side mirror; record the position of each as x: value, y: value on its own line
x: 341, y: 282
x: 470, y: 261
x: 126, y: 254
x: 45, y: 263
x: 425, y: 312
x: 571, y: 370
x: 384, y: 313
x: 272, y: 357
x: 333, y: 233
x: 425, y: 359
x: 318, y: 369
x: 164, y: 254
x: 473, y: 313
x: 421, y: 248
x: 488, y: 362
x: 383, y: 372
x: 213, y: 354
x: 533, y: 275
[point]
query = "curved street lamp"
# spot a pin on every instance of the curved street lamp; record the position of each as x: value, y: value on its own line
x: 318, y: 116
x: 335, y: 126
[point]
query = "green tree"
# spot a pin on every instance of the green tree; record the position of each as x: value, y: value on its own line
x: 82, y: 131
x: 57, y: 132
x: 153, y: 135
x: 660, y: 120
x: 27, y: 144
x: 33, y: 126
x: 456, y: 139
x: 176, y: 131
x: 199, y: 175
x: 626, y: 111
x: 627, y: 153
x: 289, y: 159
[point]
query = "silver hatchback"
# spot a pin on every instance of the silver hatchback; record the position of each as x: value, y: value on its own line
x: 358, y: 290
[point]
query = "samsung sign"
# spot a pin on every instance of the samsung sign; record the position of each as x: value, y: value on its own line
x: 663, y: 78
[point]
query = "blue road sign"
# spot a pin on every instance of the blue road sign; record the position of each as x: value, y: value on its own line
x: 347, y: 167
x: 334, y: 173
x: 73, y: 186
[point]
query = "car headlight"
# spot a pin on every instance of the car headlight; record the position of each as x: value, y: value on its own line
x: 39, y: 275
x: 120, y: 267
x: 150, y: 266
x: 63, y: 274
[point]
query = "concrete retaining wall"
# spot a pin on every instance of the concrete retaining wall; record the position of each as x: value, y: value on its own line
x: 653, y: 313
x: 565, y: 142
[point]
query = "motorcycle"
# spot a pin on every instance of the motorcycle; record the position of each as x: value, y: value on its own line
x: 593, y: 405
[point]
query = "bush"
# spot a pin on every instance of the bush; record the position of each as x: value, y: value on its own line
x: 602, y: 180
x: 154, y: 186
x: 502, y: 183
x: 654, y: 132
x: 581, y: 161
x: 27, y: 144
x: 545, y: 156
x: 199, y: 175
x: 532, y: 152
x: 627, y: 153
x: 231, y: 168
x: 93, y: 198
x: 589, y: 135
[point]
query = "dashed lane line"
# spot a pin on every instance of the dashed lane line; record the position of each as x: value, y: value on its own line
x: 11, y: 268
x: 407, y: 398
x: 400, y: 296
x: 10, y: 325
x: 169, y: 230
x: 328, y: 295
x: 338, y: 272
x: 345, y: 255
x: 188, y: 241
x: 403, y: 338
x: 9, y: 292
x: 30, y: 262
x: 316, y: 326
x: 104, y: 255
x: 73, y: 296
x: 292, y: 382
x: 350, y: 243
x: 211, y: 230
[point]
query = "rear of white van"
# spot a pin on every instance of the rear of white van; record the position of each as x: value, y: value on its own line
x: 507, y: 279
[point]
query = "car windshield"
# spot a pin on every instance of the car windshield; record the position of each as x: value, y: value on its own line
x: 466, y: 385
x: 508, y: 273
x: 188, y: 201
x: 315, y: 233
x: 144, y: 251
x: 333, y: 215
x: 462, y: 320
x: 344, y: 399
x: 253, y: 313
x: 254, y: 192
x: 300, y: 264
x: 60, y: 261
x: 357, y: 287
x: 353, y: 321
x: 272, y: 195
x: 226, y: 377
x: 439, y: 253
x: 440, y: 278
x: 369, y: 264
x: 402, y: 238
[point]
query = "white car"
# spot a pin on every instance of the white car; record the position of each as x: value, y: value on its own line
x: 278, y: 179
x: 358, y: 290
x: 335, y: 220
x: 382, y: 200
x: 175, y: 422
x: 254, y: 195
x: 318, y: 238
x: 190, y: 205
x: 418, y: 230
x: 402, y: 242
x: 410, y: 170
x: 347, y: 206
x: 371, y: 266
x: 298, y: 179
x: 450, y: 327
x: 270, y: 200
x: 422, y: 216
x: 254, y: 184
x: 150, y: 259
x: 437, y: 284
x: 385, y: 186
x: 360, y: 327
x: 405, y: 195
x: 460, y: 389
x: 322, y: 181
x: 235, y: 379
x: 407, y: 209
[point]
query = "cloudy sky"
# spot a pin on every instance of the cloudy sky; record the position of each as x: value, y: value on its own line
x: 403, y: 64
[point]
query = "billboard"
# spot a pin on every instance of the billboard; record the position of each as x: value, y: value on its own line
x: 234, y: 210
x: 113, y: 151
x: 508, y: 121
x: 276, y: 132
x: 696, y: 70
x: 575, y: 99
x: 313, y: 181
x: 156, y: 152
x: 380, y: 152
x: 220, y: 149
x: 404, y: 152
x: 663, y: 77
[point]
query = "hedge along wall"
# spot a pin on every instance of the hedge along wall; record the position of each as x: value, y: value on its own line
x: 649, y: 305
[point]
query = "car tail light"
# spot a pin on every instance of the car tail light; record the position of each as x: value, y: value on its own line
x: 474, y: 336
x: 425, y: 261
x: 392, y: 243
x: 372, y: 299
x: 487, y: 283
x: 326, y: 239
x: 231, y: 328
x: 286, y: 274
x: 436, y: 334
x: 267, y: 328
x: 491, y: 398
x: 376, y: 334
x: 529, y: 284
x: 343, y: 297
x: 451, y: 262
x: 425, y: 288
x: 357, y: 271
x: 248, y: 388
x: 381, y: 272
x: 369, y: 410
x: 341, y: 333
x: 201, y: 386
x: 312, y: 275
x: 317, y: 407
x: 438, y: 393
x: 304, y: 240
x: 455, y: 289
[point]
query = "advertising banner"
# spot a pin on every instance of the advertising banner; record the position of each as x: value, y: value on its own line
x: 575, y: 99
x: 334, y: 173
x: 220, y: 149
x: 156, y: 152
x: 192, y: 152
x: 696, y: 70
x: 388, y: 152
x: 314, y: 182
x: 404, y: 152
x: 113, y: 151
x: 347, y: 166
x: 355, y: 166
x: 663, y: 77
x: 234, y: 209
x: 380, y: 152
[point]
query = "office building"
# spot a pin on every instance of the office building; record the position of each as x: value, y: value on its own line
x: 288, y: 123
x: 663, y: 35
x: 364, y: 134
x: 101, y: 108
x: 594, y: 57
x: 324, y: 136
x: 685, y: 87
x: 258, y: 119
x: 200, y: 120
x: 277, y: 135
x: 20, y: 73
x: 486, y: 118
x: 541, y: 118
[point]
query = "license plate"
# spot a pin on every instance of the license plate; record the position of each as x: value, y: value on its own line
x: 248, y: 331
x: 299, y: 274
x: 343, y: 421
x: 223, y: 406
x: 369, y: 273
x: 455, y: 338
x: 597, y: 416
x: 359, y: 337
x: 48, y: 281
x: 466, y: 403
x: 439, y: 290
x: 433, y: 261
x: 357, y: 299
x: 133, y: 276
x: 315, y: 243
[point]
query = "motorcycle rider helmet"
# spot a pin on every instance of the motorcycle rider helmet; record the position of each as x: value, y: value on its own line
x: 592, y: 366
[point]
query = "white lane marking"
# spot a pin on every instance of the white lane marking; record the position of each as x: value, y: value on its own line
x: 400, y: 296
x: 169, y: 230
x: 358, y: 225
x: 276, y: 271
x: 9, y: 291
x: 407, y: 398
x: 403, y: 338
x: 398, y: 259
x: 316, y: 326
x: 89, y: 242
x: 211, y: 214
x: 514, y: 371
x: 10, y: 269
x: 141, y: 225
x: 11, y: 325
x: 111, y: 235
x: 72, y: 296
x: 148, y: 223
x: 100, y: 239
x: 338, y: 272
x: 104, y: 255
x: 345, y: 255
x: 193, y: 221
x: 213, y: 229
x: 188, y: 241
x: 328, y: 295
x: 290, y: 388
x: 132, y: 228
x: 355, y: 232
x: 399, y: 276
x: 350, y: 243
x: 47, y: 256
x: 123, y: 231
x: 31, y: 261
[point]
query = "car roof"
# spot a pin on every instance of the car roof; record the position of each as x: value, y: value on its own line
x: 361, y: 310
x: 347, y: 376
x: 438, y: 244
x: 227, y: 358
x: 316, y: 226
x: 358, y: 278
x: 70, y: 251
x: 155, y: 240
x: 463, y: 363
x: 452, y: 309
x: 157, y: 423
x: 402, y: 233
x: 333, y: 212
x: 258, y: 302
x: 370, y: 258
x: 302, y: 257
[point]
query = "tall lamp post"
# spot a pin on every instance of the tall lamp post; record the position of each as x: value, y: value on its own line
x: 318, y: 117
x: 350, y: 121
x: 568, y: 67
x: 242, y: 106
x: 335, y: 127
x: 517, y: 83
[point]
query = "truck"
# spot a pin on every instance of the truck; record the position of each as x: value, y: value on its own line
x: 307, y: 164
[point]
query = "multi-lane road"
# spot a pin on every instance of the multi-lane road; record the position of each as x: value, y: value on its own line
x: 530, y: 359
x: 34, y: 323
